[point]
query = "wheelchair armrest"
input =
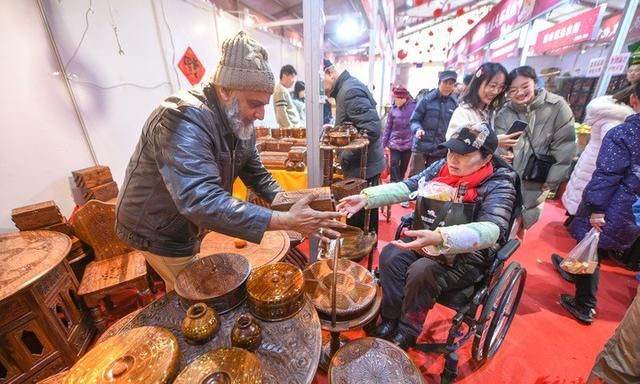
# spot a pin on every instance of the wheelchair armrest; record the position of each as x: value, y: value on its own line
x: 508, y: 249
x: 405, y: 222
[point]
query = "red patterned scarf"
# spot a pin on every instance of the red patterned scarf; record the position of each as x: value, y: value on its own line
x: 472, y: 180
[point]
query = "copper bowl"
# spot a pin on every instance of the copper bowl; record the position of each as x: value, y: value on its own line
x: 299, y: 133
x: 217, y: 280
x: 275, y: 291
x: 339, y: 139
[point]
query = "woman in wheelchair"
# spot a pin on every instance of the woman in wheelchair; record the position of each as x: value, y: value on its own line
x: 426, y: 263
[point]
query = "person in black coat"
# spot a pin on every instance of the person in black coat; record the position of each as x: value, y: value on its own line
x: 415, y: 271
x: 355, y: 104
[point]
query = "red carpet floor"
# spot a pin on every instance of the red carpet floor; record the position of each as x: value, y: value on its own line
x: 544, y: 345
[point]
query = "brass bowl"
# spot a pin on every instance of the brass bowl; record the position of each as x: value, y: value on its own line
x: 355, y: 288
x: 299, y: 133
x: 217, y: 280
x: 275, y: 291
x: 339, y: 139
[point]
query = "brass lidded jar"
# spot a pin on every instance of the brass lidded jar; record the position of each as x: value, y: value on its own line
x: 275, y: 291
x: 200, y: 323
x: 246, y: 333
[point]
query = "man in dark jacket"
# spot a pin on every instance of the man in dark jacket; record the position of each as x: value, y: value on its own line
x: 193, y: 146
x: 355, y: 104
x: 429, y: 123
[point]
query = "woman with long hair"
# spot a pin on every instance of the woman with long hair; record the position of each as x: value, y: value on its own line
x: 482, y: 99
x: 550, y: 133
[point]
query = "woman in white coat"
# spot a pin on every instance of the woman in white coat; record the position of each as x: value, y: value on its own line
x: 603, y: 113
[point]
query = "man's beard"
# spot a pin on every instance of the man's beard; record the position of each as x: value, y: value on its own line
x: 242, y: 130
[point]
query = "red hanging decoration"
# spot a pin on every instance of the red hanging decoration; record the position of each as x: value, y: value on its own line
x: 460, y: 12
x: 420, y: 52
x: 430, y: 33
x: 416, y: 44
x: 437, y: 12
x: 430, y: 45
x: 430, y: 61
x: 450, y: 29
x: 402, y: 54
x: 470, y: 21
x: 418, y: 3
x: 444, y: 49
x: 407, y: 41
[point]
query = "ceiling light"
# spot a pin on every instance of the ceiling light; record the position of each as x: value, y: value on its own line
x: 349, y: 29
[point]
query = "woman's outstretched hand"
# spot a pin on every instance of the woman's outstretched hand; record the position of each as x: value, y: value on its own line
x: 351, y: 204
x: 423, y: 238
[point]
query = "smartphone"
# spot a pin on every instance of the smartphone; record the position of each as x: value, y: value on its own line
x: 517, y: 126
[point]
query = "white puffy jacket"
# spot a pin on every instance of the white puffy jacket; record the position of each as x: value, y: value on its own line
x: 603, y: 113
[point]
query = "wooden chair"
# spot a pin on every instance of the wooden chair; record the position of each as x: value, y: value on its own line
x: 116, y: 266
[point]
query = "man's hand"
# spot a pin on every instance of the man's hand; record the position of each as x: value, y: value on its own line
x: 423, y: 238
x: 508, y: 141
x: 302, y: 218
x: 351, y: 204
x: 419, y: 133
x: 597, y: 221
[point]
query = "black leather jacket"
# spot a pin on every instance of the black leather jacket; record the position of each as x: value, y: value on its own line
x: 178, y: 182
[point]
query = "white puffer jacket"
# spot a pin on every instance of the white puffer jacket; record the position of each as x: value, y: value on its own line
x: 603, y: 113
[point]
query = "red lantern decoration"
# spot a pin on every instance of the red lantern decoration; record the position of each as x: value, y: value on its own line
x: 430, y: 45
x: 460, y: 12
x: 430, y: 33
x: 416, y: 44
x: 407, y: 41
x: 430, y: 61
x: 420, y: 52
x: 402, y: 54
x: 470, y: 21
x: 450, y: 29
x: 437, y: 12
x: 444, y: 49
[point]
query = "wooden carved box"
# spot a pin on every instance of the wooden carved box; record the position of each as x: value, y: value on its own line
x: 275, y: 291
x: 348, y: 187
x: 298, y: 154
x: 323, y: 202
x: 217, y: 280
x: 274, y: 160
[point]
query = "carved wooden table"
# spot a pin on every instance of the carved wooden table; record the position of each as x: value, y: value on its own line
x: 43, y: 326
x: 289, y: 351
x: 372, y: 360
x: 273, y: 247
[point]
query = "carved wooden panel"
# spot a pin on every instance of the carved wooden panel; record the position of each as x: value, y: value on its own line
x: 27, y: 256
x: 15, y: 306
x: 289, y: 352
x: 95, y: 225
x: 52, y: 368
x: 46, y: 285
x: 9, y: 370
x: 29, y: 343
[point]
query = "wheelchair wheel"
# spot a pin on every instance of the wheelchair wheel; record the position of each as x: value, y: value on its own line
x: 498, y: 312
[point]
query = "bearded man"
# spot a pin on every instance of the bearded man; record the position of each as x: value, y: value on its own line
x: 193, y: 146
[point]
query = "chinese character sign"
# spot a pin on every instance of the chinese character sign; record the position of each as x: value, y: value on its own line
x: 618, y: 64
x: 596, y: 66
x: 191, y: 67
x: 571, y: 31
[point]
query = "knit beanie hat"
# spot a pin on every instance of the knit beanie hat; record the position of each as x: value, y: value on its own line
x: 244, y: 65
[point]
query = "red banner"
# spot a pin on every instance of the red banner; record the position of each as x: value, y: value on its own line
x: 608, y: 28
x: 505, y: 50
x: 474, y: 60
x: 505, y: 17
x: 571, y: 31
x: 191, y: 66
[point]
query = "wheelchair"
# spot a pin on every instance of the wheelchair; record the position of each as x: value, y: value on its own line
x: 487, y: 308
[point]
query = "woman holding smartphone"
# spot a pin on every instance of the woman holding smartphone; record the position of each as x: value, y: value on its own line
x: 542, y: 153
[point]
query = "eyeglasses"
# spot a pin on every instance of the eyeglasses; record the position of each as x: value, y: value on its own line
x: 515, y: 90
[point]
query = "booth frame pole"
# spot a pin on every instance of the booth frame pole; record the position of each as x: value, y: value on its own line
x: 373, y: 43
x: 618, y: 43
x: 525, y: 46
x: 313, y: 53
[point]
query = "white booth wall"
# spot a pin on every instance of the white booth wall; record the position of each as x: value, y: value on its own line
x: 42, y: 137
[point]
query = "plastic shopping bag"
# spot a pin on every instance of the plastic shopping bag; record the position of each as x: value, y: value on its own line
x: 583, y: 259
